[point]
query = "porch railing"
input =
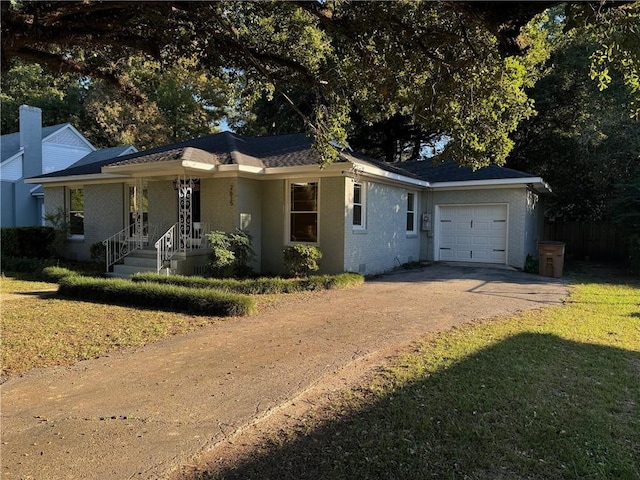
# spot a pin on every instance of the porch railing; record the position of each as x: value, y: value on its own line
x: 166, y: 247
x: 120, y: 245
x: 170, y: 243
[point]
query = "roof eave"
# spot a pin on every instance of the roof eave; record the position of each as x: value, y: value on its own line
x: 12, y: 157
x: 363, y: 167
x: 536, y: 183
x: 297, y: 170
x: 136, y: 168
x: 75, y: 178
x: 240, y: 169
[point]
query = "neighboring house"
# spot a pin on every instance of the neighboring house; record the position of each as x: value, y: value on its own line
x: 32, y: 151
x: 365, y: 216
x: 35, y: 150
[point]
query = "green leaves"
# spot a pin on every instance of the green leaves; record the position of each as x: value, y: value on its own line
x: 582, y: 140
x: 617, y: 33
x: 300, y: 259
x: 156, y: 296
x: 231, y: 254
x: 416, y: 61
x: 443, y: 65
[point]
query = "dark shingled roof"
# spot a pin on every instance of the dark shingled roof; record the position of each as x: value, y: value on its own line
x: 291, y: 150
x: 102, y: 154
x: 389, y: 167
x: 231, y: 148
x: 223, y: 148
x: 450, y: 172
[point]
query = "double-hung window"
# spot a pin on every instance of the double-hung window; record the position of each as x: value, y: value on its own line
x: 411, y: 213
x: 76, y: 212
x: 303, y: 212
x: 359, y: 206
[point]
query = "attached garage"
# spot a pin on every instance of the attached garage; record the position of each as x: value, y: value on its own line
x: 489, y: 215
x: 472, y: 233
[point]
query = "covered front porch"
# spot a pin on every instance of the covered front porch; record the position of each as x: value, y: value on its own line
x: 149, y: 241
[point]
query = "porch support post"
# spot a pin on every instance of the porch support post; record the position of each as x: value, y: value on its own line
x: 185, y: 211
x: 138, y: 228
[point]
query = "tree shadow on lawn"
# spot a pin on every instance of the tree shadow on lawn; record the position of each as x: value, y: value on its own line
x: 531, y: 406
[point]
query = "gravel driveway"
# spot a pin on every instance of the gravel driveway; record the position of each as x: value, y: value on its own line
x: 145, y: 413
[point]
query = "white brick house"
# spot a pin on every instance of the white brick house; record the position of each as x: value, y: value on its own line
x: 365, y: 216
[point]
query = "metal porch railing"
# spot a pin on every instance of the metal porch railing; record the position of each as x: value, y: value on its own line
x: 120, y: 245
x: 171, y: 242
x: 166, y: 247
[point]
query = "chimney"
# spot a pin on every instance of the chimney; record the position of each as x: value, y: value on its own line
x: 31, y: 140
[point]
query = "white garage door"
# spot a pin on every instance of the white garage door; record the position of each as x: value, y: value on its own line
x: 473, y: 233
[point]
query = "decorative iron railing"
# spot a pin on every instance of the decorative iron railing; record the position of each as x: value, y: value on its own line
x: 199, y: 231
x: 174, y: 241
x: 166, y: 247
x: 120, y: 245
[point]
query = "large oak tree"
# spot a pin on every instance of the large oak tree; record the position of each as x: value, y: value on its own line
x: 457, y: 68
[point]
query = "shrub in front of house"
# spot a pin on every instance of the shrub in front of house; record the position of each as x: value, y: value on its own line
x: 258, y: 286
x: 332, y: 282
x: 230, y: 255
x: 531, y: 265
x: 196, y: 301
x: 98, y: 252
x: 55, y: 274
x: 300, y: 260
x: 26, y: 242
x: 26, y: 265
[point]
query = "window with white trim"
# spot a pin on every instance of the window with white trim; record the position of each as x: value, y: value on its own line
x: 359, y: 206
x: 76, y: 212
x: 303, y: 212
x: 411, y: 212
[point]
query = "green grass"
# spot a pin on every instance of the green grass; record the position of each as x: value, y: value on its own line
x: 42, y: 329
x: 22, y: 284
x: 548, y: 394
x: 259, y: 286
x: 199, y: 301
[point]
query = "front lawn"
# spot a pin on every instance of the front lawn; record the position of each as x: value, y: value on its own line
x: 40, y: 329
x: 548, y: 394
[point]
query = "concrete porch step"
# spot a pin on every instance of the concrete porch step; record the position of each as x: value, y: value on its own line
x: 145, y: 260
x: 147, y: 252
x: 134, y: 260
x: 138, y: 261
x: 126, y: 271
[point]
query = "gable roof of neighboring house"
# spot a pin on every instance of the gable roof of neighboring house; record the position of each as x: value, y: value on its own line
x: 93, y: 157
x: 104, y: 154
x: 10, y: 142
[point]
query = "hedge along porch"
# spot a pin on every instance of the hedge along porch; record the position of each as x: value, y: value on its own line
x: 365, y: 216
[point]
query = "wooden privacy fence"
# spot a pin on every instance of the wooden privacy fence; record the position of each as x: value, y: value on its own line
x: 596, y: 241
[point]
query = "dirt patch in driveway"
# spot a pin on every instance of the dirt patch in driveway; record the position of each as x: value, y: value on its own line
x: 149, y: 412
